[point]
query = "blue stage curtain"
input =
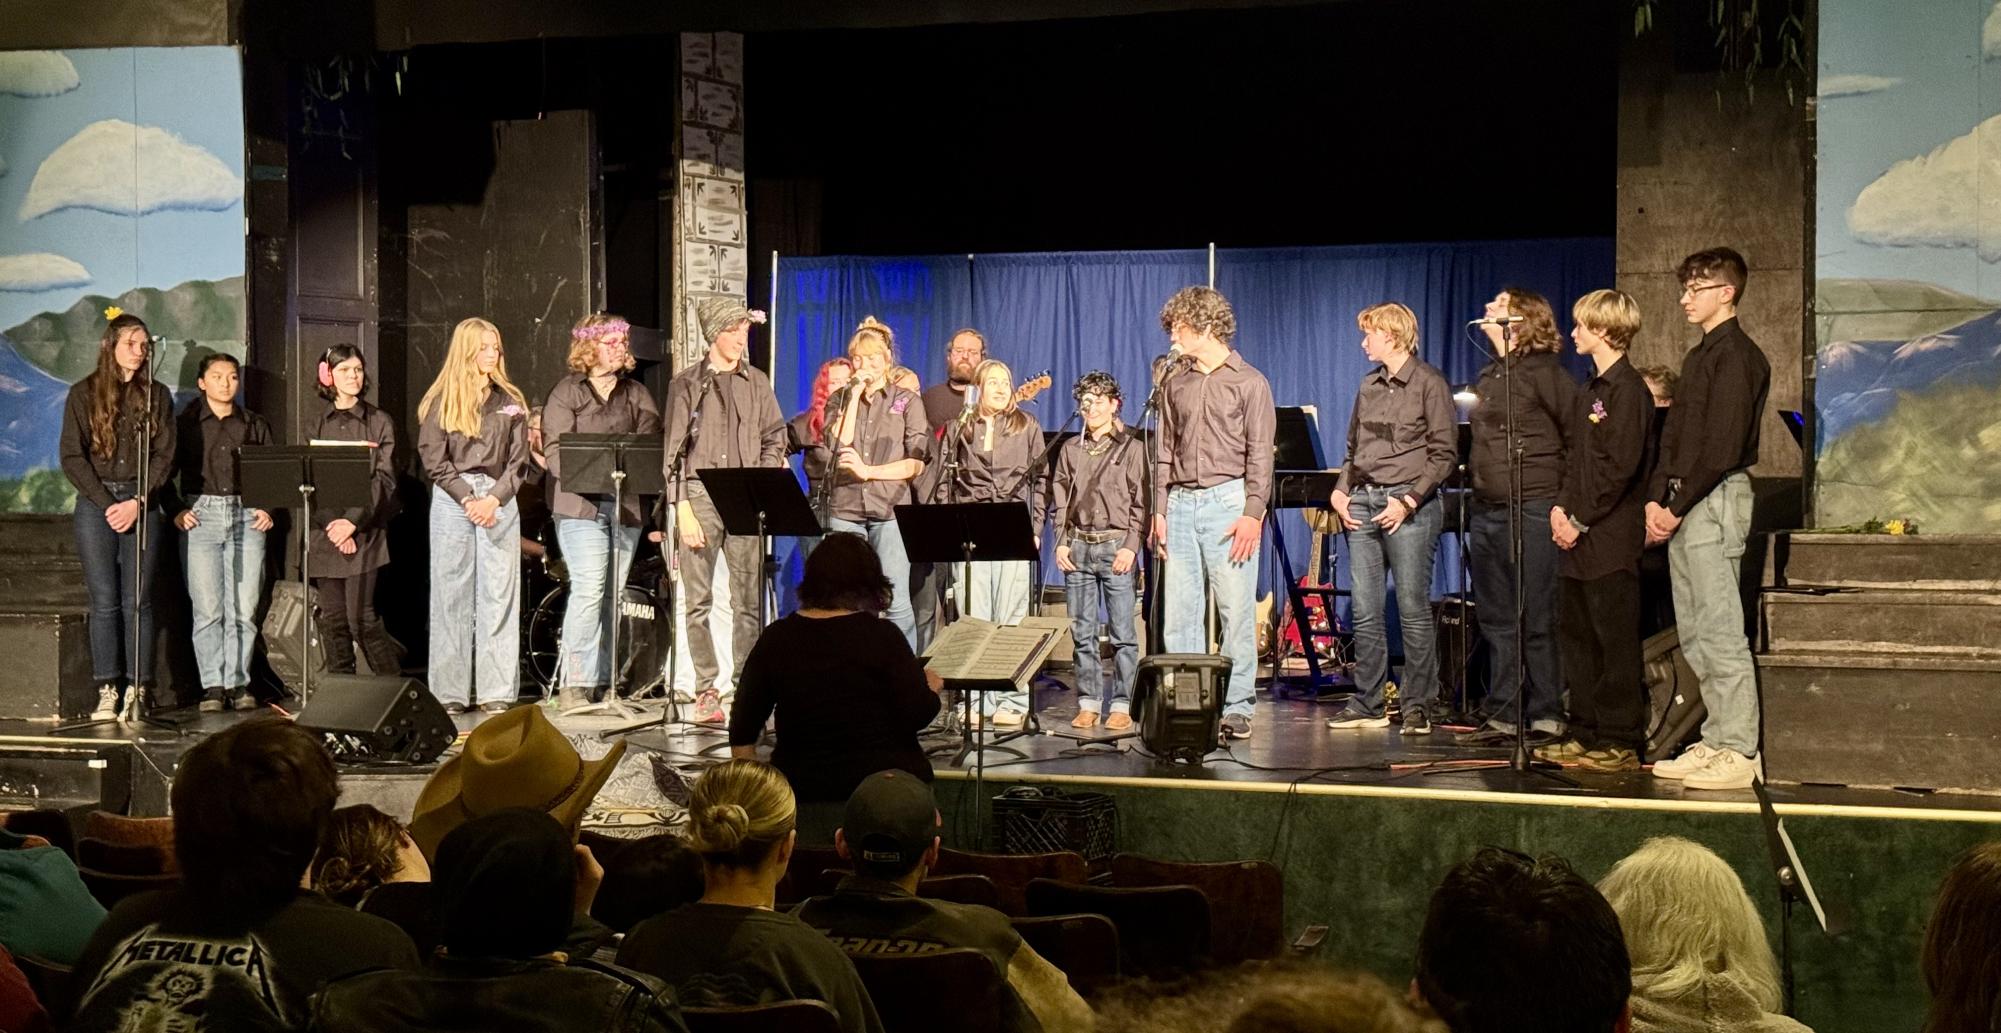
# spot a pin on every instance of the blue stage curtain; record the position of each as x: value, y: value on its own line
x: 1073, y: 312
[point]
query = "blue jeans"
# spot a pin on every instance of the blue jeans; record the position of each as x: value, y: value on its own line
x: 224, y: 559
x: 475, y: 601
x: 1089, y: 587
x: 1407, y: 555
x: 883, y: 537
x: 583, y: 662
x: 1494, y: 590
x: 120, y: 586
x: 998, y: 592
x: 1705, y: 557
x: 1198, y: 554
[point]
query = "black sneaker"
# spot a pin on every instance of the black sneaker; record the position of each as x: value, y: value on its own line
x: 455, y: 708
x: 1236, y: 726
x: 1416, y: 722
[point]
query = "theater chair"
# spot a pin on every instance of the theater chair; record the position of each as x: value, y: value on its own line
x: 1163, y: 930
x: 958, y: 989
x: 954, y: 889
x: 1011, y: 873
x: 1084, y: 947
x: 781, y: 1017
x: 49, y: 981
x: 1246, y: 900
x: 106, y: 827
x: 51, y: 825
x: 802, y: 873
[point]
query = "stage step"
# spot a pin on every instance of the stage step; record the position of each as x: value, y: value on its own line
x: 1933, y: 622
x: 1967, y: 563
x: 66, y: 775
x: 1883, y: 721
x: 46, y: 671
x: 42, y: 568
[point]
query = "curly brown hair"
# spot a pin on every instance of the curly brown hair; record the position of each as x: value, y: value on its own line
x: 1537, y: 332
x: 1203, y: 310
x: 357, y: 853
x: 584, y: 349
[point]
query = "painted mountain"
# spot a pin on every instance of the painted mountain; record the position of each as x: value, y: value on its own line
x: 1909, y: 406
x: 42, y: 357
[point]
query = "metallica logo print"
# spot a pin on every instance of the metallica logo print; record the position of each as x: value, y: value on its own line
x: 159, y: 984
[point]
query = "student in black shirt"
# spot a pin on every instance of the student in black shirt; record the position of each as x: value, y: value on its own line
x: 1527, y: 377
x: 849, y: 694
x: 352, y: 545
x: 223, y: 545
x: 1701, y: 506
x: 733, y: 947
x: 107, y: 420
x: 1598, y: 522
x: 238, y: 945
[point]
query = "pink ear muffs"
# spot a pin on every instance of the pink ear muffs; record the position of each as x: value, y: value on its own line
x: 326, y: 375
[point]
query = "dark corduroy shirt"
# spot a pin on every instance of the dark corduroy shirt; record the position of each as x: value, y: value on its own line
x: 1605, y: 477
x: 1216, y: 427
x: 90, y: 472
x: 500, y: 451
x: 1102, y: 491
x: 1402, y: 430
x: 1544, y: 396
x: 574, y: 407
x: 738, y: 424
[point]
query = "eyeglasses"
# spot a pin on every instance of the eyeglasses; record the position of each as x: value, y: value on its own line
x: 1690, y: 292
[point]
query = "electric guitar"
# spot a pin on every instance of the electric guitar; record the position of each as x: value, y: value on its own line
x: 1031, y: 387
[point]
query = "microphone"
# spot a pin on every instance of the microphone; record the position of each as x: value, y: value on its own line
x: 972, y: 408
x: 1494, y: 321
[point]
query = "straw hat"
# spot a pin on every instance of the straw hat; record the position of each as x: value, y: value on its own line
x: 515, y: 759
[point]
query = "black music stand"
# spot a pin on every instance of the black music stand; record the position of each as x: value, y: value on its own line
x: 1298, y: 459
x: 971, y: 532
x: 611, y: 464
x: 761, y: 501
x: 300, y: 477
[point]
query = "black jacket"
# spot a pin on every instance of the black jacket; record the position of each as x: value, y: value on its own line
x: 1544, y: 396
x: 535, y: 996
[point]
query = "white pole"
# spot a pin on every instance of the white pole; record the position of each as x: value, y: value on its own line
x: 773, y: 324
x: 1212, y: 265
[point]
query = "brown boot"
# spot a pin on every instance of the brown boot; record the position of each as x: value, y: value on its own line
x: 1085, y: 719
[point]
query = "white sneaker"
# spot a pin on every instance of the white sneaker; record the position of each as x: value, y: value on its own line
x: 1005, y: 718
x: 1692, y: 760
x: 107, y: 704
x: 1727, y: 770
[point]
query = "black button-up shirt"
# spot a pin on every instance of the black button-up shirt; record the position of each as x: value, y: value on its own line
x: 574, y: 407
x: 1403, y: 430
x: 500, y: 451
x: 999, y: 473
x: 1544, y: 396
x: 738, y: 424
x: 1605, y: 476
x: 889, y: 426
x: 362, y: 422
x: 206, y: 447
x: 1216, y: 427
x: 90, y: 471
x: 1102, y: 491
x: 1712, y: 428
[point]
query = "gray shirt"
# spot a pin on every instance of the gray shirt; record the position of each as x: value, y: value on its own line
x: 575, y: 407
x: 1098, y: 486
x: 1216, y: 427
x: 890, y: 425
x: 1403, y: 430
x: 500, y: 451
x: 738, y: 424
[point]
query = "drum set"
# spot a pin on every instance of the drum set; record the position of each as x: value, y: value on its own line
x: 645, y: 630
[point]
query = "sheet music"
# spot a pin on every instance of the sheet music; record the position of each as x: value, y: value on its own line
x: 957, y: 644
x: 972, y: 649
x: 1011, y: 654
x: 317, y: 442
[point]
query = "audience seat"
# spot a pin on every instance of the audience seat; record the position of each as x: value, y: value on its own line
x: 1011, y: 873
x: 1084, y: 947
x: 781, y: 1017
x: 1163, y: 930
x: 1246, y: 900
x: 107, y: 827
x: 51, y: 825
x: 915, y: 993
x: 111, y: 887
x: 49, y: 981
x: 956, y: 889
x: 123, y: 858
x: 803, y: 871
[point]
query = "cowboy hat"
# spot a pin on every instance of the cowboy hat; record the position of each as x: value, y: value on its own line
x: 515, y: 759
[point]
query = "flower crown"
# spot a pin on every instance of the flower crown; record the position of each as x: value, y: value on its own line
x: 600, y: 331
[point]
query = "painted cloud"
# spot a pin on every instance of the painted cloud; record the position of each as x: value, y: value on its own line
x: 94, y: 169
x: 1855, y: 85
x: 1990, y: 33
x: 40, y: 272
x: 36, y: 73
x: 1937, y: 199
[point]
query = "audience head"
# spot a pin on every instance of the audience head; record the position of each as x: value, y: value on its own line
x: 844, y: 573
x: 1332, y: 1002
x: 362, y: 848
x: 249, y: 805
x: 1961, y: 958
x: 1613, y: 315
x: 647, y: 877
x: 516, y: 759
x: 1201, y: 310
x: 740, y: 817
x: 891, y: 826
x: 505, y: 885
x: 1686, y: 917
x: 1262, y: 997
x: 1515, y: 944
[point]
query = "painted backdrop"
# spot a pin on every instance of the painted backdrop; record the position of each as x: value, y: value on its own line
x: 121, y: 183
x: 1909, y: 187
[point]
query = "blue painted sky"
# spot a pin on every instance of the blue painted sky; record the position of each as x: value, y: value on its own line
x: 194, y: 92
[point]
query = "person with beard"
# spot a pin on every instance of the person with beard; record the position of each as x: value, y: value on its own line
x: 943, y: 402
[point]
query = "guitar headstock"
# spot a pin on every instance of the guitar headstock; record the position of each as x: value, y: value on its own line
x: 1031, y: 387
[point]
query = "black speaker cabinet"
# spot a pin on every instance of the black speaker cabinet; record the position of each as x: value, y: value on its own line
x: 1675, y: 710
x: 1179, y: 699
x: 377, y: 720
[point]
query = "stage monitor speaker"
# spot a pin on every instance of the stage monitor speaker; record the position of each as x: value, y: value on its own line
x: 1180, y: 701
x: 1462, y: 653
x: 378, y: 720
x: 291, y: 610
x: 1674, y: 696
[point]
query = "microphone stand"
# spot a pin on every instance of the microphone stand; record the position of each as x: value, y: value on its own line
x: 1154, y: 568
x: 137, y: 704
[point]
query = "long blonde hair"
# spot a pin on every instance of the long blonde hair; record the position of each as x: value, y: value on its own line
x: 1685, y: 916
x: 460, y: 389
x: 738, y: 812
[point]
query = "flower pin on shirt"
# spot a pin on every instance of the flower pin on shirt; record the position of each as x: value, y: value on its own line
x: 511, y: 409
x: 1597, y: 411
x: 897, y: 407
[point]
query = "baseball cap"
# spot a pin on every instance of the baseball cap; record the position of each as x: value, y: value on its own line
x: 891, y: 820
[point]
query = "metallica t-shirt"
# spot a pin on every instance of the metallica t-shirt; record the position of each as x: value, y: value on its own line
x: 162, y: 961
